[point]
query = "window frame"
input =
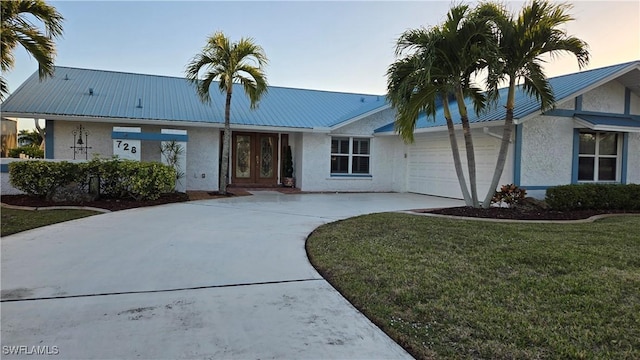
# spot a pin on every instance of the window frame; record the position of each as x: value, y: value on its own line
x: 350, y: 154
x: 596, y: 156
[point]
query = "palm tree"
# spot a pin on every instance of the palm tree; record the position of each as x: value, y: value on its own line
x: 17, y: 28
x: 445, y: 59
x: 413, y: 89
x: 228, y: 63
x: 523, y: 42
x: 33, y: 136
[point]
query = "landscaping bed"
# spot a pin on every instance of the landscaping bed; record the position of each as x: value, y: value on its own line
x: 102, y: 203
x: 521, y: 213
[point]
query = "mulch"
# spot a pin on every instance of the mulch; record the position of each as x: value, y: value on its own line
x: 102, y: 203
x: 521, y: 214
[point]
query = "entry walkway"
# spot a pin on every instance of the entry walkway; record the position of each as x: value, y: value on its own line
x: 226, y: 278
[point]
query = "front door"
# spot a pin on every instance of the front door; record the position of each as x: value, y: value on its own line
x: 255, y: 158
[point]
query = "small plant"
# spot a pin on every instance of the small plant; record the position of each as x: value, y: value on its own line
x: 171, y: 152
x: 509, y: 194
x: 288, y: 163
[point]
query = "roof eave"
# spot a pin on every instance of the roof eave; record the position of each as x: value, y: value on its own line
x: 584, y: 90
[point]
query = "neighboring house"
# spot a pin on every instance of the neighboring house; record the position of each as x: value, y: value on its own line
x: 340, y: 141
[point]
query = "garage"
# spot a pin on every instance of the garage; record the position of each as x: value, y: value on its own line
x: 430, y: 164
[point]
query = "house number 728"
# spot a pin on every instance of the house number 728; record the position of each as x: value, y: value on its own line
x: 125, y: 146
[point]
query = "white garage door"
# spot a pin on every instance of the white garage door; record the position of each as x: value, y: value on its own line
x: 431, y: 171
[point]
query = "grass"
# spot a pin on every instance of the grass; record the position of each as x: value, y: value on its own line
x: 455, y: 289
x: 14, y: 221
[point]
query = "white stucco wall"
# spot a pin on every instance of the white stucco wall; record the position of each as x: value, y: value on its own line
x: 202, y: 150
x: 567, y: 105
x: 634, y: 106
x: 547, y: 151
x: 316, y: 172
x: 367, y: 125
x: 387, y: 172
x: 633, y: 159
x: 606, y: 98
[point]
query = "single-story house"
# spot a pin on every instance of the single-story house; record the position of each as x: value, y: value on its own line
x: 340, y: 141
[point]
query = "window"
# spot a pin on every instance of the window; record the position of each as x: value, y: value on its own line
x: 350, y: 155
x: 598, y: 157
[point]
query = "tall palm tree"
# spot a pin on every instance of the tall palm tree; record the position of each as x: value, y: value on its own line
x: 228, y: 63
x: 414, y: 85
x: 523, y: 43
x: 444, y: 60
x: 17, y: 28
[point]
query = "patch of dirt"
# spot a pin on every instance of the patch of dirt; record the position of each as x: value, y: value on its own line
x: 521, y: 214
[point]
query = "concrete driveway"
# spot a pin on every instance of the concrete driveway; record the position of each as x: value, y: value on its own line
x: 211, y: 279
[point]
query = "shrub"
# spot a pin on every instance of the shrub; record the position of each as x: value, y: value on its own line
x: 509, y: 194
x: 121, y: 178
x: 31, y: 151
x: 41, y: 178
x: 118, y: 178
x: 594, y: 197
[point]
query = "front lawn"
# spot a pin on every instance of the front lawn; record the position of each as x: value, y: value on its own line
x: 451, y: 289
x: 14, y: 221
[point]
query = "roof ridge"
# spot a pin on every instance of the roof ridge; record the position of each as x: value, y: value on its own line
x: 622, y: 65
x: 182, y: 78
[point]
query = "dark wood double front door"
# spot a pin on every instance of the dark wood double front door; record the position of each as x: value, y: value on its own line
x: 254, y: 159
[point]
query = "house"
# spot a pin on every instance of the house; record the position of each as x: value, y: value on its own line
x: 339, y: 141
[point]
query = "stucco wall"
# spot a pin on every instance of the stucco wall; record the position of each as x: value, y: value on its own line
x: 313, y: 171
x: 316, y: 173
x: 606, y: 98
x: 633, y: 160
x: 547, y: 151
x: 202, y: 150
x: 367, y: 125
x: 567, y: 105
x: 634, y: 107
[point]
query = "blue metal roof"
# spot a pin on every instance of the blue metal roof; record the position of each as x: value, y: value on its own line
x: 117, y: 95
x: 563, y: 87
x: 624, y: 121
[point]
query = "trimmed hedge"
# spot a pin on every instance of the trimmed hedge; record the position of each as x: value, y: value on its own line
x: 594, y: 197
x: 118, y: 178
x: 42, y: 178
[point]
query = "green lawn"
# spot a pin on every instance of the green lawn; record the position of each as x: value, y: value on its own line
x: 14, y: 221
x: 451, y: 289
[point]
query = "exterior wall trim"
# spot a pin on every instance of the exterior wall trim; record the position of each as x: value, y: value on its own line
x: 627, y: 101
x: 623, y: 161
x: 517, y: 156
x: 575, y: 158
x: 149, y: 136
x: 49, y: 140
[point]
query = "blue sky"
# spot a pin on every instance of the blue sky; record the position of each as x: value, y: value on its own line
x: 338, y: 46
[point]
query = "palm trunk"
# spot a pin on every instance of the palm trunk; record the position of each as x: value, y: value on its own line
x: 42, y: 133
x: 468, y: 142
x: 226, y: 144
x: 456, y: 152
x: 507, y: 130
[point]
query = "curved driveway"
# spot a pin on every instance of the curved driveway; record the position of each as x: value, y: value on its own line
x: 225, y: 278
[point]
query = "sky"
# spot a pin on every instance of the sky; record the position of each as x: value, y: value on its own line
x: 343, y: 46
